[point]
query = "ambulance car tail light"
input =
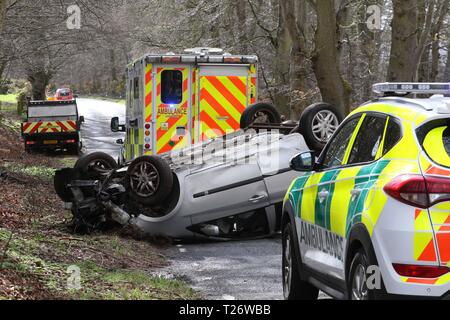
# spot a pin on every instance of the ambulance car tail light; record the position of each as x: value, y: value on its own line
x: 414, y: 271
x: 419, y: 191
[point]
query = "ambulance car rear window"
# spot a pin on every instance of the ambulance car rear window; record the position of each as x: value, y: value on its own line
x: 171, y: 87
x: 434, y: 138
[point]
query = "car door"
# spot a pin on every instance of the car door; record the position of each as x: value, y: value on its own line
x: 354, y: 180
x: 314, y: 200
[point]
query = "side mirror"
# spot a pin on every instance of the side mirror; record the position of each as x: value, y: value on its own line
x: 303, y: 162
x: 115, y: 126
x: 82, y: 119
x: 119, y: 141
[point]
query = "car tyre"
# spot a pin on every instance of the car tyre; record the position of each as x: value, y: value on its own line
x: 318, y: 123
x: 260, y: 113
x: 357, y: 280
x: 95, y: 165
x: 294, y: 288
x: 149, y: 180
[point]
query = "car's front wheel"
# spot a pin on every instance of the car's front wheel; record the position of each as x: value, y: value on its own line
x: 293, y: 287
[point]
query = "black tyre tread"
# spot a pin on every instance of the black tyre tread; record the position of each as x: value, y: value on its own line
x: 304, y: 126
x: 165, y: 185
x: 60, y: 181
x: 84, y: 161
x: 300, y: 290
x: 249, y: 113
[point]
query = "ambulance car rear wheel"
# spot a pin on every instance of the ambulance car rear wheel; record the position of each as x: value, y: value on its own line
x: 260, y: 113
x: 95, y: 165
x: 149, y: 180
x: 318, y: 123
x: 357, y: 280
x: 293, y: 286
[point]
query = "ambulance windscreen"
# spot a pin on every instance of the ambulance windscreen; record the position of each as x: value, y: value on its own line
x: 171, y: 87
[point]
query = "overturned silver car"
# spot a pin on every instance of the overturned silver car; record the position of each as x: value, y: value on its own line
x: 226, y: 188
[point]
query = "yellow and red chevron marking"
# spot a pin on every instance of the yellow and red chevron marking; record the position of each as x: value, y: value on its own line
x: 169, y: 118
x: 424, y: 249
x: 49, y: 127
x: 223, y: 99
x: 194, y: 132
x: 148, y: 93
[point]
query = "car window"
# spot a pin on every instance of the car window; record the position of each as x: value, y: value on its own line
x: 136, y: 88
x: 368, y: 141
x: 393, y: 135
x: 171, y: 87
x: 337, y: 147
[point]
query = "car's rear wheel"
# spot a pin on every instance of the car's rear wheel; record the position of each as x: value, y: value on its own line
x: 149, y: 180
x: 357, y: 280
x: 318, y: 123
x: 293, y: 287
x: 260, y: 113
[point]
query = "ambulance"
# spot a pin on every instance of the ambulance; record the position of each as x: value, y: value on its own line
x: 176, y: 100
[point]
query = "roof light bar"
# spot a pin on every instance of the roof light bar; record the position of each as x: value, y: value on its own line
x: 411, y: 87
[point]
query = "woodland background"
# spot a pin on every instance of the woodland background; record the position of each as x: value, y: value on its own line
x: 331, y: 50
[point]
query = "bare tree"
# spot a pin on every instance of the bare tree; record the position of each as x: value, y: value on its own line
x: 326, y: 58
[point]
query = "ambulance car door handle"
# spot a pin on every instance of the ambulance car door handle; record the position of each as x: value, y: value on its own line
x: 257, y: 198
x: 355, y: 192
x: 323, y: 194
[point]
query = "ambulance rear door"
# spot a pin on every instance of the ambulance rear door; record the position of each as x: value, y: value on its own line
x: 173, y: 107
x: 223, y: 94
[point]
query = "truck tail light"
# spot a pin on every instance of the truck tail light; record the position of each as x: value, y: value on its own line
x: 414, y: 271
x: 419, y: 191
x: 71, y: 141
x: 31, y: 143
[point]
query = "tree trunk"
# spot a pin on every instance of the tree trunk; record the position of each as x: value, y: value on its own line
x: 39, y: 81
x: 447, y: 65
x: 294, y: 18
x: 326, y: 58
x: 281, y: 65
x: 435, y: 39
x: 241, y: 14
x: 404, y: 41
x: 410, y: 31
x: 2, y: 14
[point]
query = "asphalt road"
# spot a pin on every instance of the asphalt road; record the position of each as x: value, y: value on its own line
x: 95, y: 132
x: 241, y: 270
x: 238, y: 270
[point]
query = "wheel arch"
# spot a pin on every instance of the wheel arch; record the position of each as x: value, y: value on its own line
x: 359, y: 237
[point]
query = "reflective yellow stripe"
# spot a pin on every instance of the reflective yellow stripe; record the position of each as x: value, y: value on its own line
x: 352, y: 140
x: 345, y: 182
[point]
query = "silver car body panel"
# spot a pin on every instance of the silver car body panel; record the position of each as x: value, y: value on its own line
x: 246, y: 173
